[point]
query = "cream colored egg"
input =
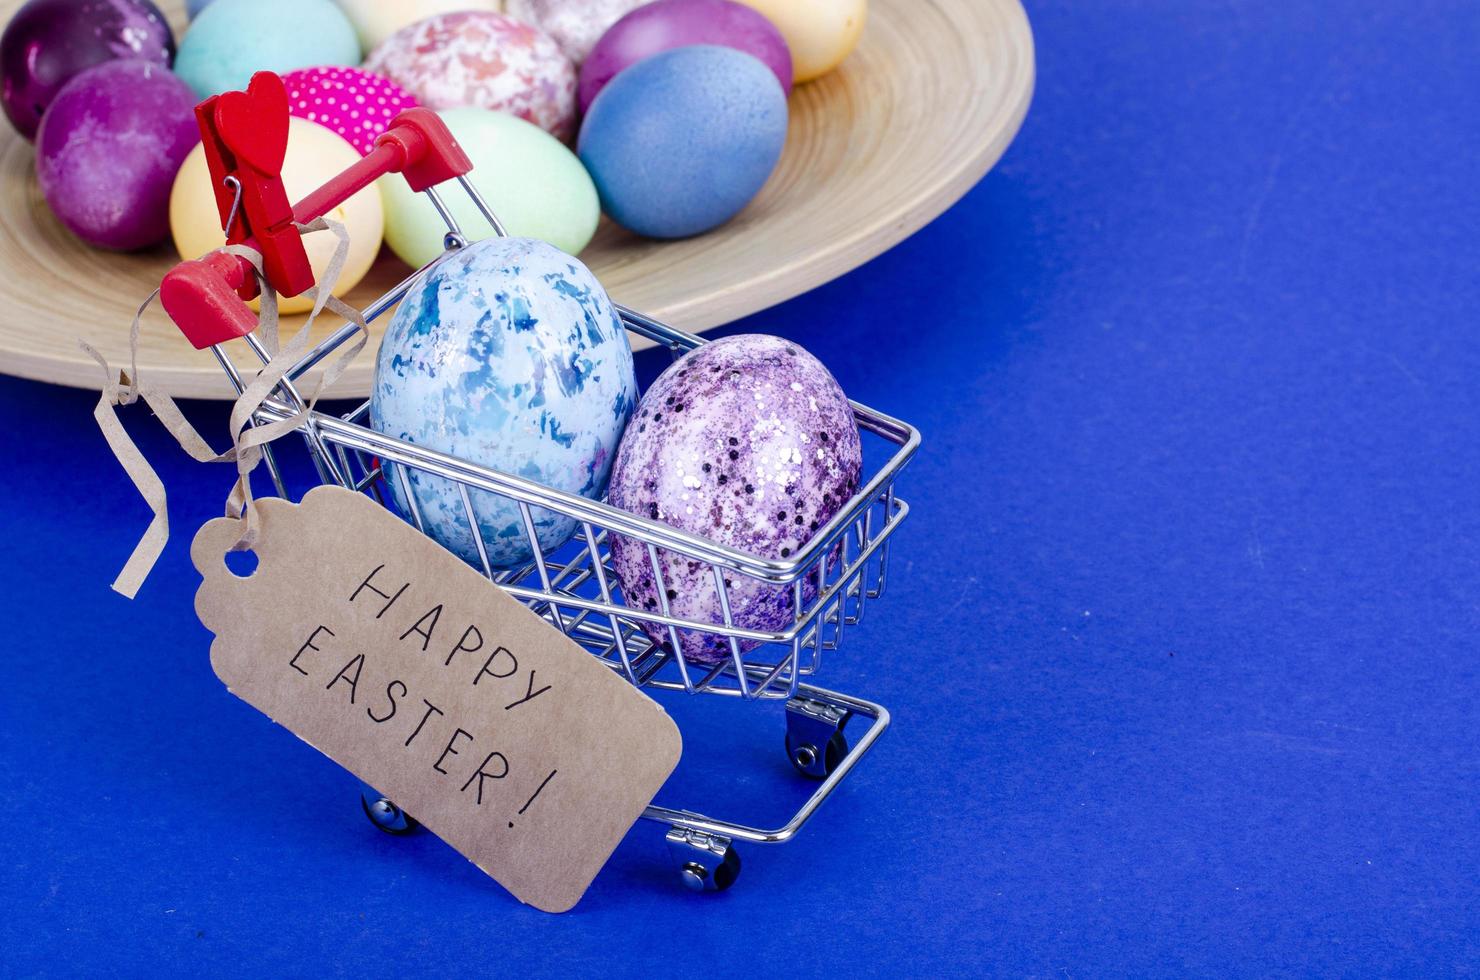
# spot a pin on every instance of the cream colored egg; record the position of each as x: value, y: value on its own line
x: 376, y: 20
x: 314, y: 155
x: 820, y: 33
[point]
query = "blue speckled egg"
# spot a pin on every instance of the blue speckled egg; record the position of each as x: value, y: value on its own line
x: 680, y: 142
x: 510, y: 355
x: 231, y: 39
x: 747, y: 441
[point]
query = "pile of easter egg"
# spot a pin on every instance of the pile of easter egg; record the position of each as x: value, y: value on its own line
x: 668, y: 115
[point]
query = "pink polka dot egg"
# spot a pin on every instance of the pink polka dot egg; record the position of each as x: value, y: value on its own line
x: 349, y: 101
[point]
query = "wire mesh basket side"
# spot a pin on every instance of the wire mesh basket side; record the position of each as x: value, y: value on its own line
x: 575, y: 587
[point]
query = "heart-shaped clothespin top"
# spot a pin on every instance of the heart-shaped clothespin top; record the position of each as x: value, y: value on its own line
x: 254, y: 123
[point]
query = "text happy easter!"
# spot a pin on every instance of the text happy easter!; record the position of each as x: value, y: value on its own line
x: 418, y: 723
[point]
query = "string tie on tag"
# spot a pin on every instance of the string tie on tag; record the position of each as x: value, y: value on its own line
x: 247, y: 437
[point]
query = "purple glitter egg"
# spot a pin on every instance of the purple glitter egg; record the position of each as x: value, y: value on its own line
x: 667, y: 24
x: 109, y: 148
x: 48, y: 42
x: 749, y: 442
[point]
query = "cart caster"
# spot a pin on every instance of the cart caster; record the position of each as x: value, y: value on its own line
x: 384, y: 814
x: 815, y: 742
x: 705, y: 863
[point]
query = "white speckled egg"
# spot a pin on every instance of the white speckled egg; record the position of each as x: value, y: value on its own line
x: 747, y: 441
x: 510, y: 355
x: 576, y: 25
x: 477, y: 58
x: 820, y: 33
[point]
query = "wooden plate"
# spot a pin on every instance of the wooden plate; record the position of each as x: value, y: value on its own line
x: 917, y: 115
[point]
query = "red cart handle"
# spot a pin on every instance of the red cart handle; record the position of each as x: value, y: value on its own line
x: 246, y: 138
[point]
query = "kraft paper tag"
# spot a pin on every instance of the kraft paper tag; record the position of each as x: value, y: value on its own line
x: 401, y: 663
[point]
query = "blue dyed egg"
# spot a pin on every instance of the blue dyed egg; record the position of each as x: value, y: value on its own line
x: 510, y: 355
x: 229, y: 40
x: 680, y: 142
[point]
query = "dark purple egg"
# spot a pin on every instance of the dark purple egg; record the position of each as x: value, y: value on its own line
x: 747, y: 441
x: 48, y: 42
x: 109, y: 148
x: 667, y: 24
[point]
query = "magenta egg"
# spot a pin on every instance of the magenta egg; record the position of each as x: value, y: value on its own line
x: 667, y: 24
x: 108, y: 150
x: 48, y: 42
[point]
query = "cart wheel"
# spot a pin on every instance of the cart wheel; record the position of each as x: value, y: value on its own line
x: 815, y: 763
x: 705, y: 863
x: 384, y: 814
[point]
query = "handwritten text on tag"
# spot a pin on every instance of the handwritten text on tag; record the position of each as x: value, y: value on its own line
x: 401, y: 663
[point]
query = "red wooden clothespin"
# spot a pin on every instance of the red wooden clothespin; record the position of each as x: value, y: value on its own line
x: 246, y: 139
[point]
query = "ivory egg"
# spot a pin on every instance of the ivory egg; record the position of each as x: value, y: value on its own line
x: 376, y: 20
x: 820, y: 33
x: 314, y: 156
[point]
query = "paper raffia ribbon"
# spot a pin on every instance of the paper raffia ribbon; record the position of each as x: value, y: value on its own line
x: 126, y: 388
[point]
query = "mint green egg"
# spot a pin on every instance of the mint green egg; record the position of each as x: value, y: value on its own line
x: 535, y: 185
x: 230, y: 40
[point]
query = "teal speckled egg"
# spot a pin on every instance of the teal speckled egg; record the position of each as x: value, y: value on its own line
x: 510, y: 355
x: 231, y: 39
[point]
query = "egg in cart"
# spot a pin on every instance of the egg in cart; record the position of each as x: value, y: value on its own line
x: 832, y: 578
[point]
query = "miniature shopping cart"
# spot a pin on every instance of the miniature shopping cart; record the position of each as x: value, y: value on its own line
x: 833, y: 578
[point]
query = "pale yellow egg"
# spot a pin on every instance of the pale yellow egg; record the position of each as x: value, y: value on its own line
x: 820, y: 33
x: 314, y: 155
x: 376, y: 20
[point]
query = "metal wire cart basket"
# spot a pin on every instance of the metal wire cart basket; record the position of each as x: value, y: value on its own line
x: 833, y: 578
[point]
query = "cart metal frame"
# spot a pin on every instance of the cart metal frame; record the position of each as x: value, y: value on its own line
x: 833, y: 578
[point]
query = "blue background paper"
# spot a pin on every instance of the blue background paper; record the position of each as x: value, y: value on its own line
x: 1180, y: 638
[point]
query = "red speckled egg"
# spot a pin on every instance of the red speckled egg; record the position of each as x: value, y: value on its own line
x: 476, y: 58
x: 353, y: 103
